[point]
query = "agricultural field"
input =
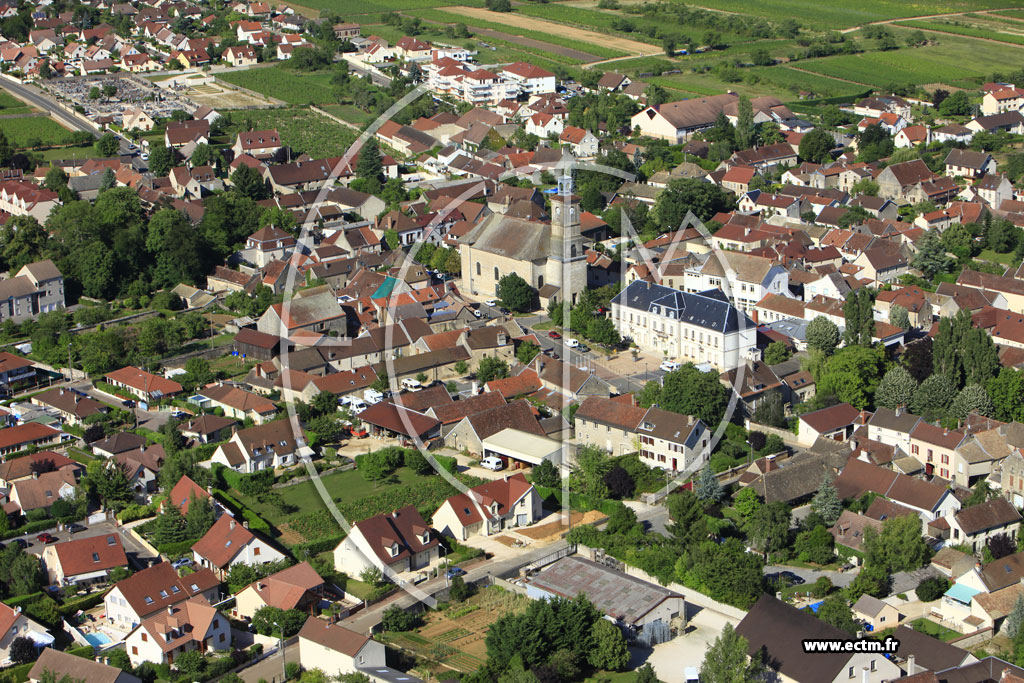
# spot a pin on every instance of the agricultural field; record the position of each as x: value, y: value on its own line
x: 11, y: 105
x: 953, y: 60
x: 599, y: 45
x: 834, y: 15
x: 285, y: 84
x: 303, y: 130
x: 455, y: 636
x: 347, y: 112
x: 354, y: 8
x: 962, y: 28
x: 35, y: 131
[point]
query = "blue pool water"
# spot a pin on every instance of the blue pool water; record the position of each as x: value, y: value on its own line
x: 97, y: 639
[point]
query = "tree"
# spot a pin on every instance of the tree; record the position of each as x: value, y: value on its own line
x: 369, y: 166
x: 515, y: 293
x: 688, y: 391
x: 191, y: 663
x: 777, y: 352
x: 22, y: 650
x: 288, y: 621
x: 690, y: 194
x: 768, y: 529
x: 744, y: 123
x: 931, y: 255
x: 1007, y: 393
x: 1015, y: 619
x: 107, y: 145
x: 826, y: 501
x: 199, y: 518
x: 956, y: 104
x: 461, y: 367
x: 602, y: 330
x: 546, y: 475
x: 771, y: 412
x: 491, y: 368
x: 822, y: 335
x: 609, y: 651
x: 526, y: 352
x: 816, y: 146
x: 746, y: 503
x: 668, y: 44
x: 899, y: 316
x: 646, y: 674
x: 835, y: 611
x: 621, y: 520
x: 896, y: 388
x: 113, y: 485
x: 898, y: 547
x: 707, y: 487
x: 815, y: 545
x: 726, y: 660
x: 620, y: 484
x: 852, y: 375
x: 972, y: 399
x: 592, y: 464
x: 1001, y: 545
x: 247, y: 182
x: 161, y: 159
x: 963, y: 353
x: 459, y: 590
x: 858, y: 311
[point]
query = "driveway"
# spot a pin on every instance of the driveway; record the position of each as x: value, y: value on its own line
x: 839, y: 579
x: 671, y: 659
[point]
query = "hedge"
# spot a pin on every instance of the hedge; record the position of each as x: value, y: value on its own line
x: 176, y: 548
x: 31, y: 528
x: 22, y: 600
x: 577, y: 501
x: 321, y: 545
x: 256, y: 523
x: 85, y: 603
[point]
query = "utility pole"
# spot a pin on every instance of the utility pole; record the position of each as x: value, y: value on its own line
x: 71, y: 368
x: 284, y: 665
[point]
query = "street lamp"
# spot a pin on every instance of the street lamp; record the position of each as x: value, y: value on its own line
x: 444, y: 564
x: 284, y: 666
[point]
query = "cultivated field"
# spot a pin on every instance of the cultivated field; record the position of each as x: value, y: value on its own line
x: 35, y: 131
x: 285, y: 84
x: 11, y: 105
x: 455, y: 637
x: 303, y: 130
x: 219, y: 97
x: 352, y: 8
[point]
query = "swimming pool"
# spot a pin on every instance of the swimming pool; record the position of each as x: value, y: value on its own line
x: 97, y: 639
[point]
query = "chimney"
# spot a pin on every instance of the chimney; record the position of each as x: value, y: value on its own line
x: 778, y: 595
x: 259, y: 585
x: 911, y: 665
x: 170, y: 609
x: 394, y: 514
x: 231, y: 525
x: 865, y: 675
x: 245, y: 525
x: 899, y: 409
x: 35, y: 475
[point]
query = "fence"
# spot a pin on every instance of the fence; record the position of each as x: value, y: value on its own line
x: 552, y: 558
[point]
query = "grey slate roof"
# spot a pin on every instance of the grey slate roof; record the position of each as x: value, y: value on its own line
x: 709, y: 309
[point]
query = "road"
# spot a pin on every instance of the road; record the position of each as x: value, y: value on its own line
x: 271, y: 668
x: 150, y: 419
x: 36, y: 97
x: 838, y: 579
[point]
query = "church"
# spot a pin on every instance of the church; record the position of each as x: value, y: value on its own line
x: 548, y: 255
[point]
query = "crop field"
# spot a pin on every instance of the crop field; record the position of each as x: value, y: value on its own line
x: 597, y: 20
x: 1011, y: 13
x: 303, y: 130
x: 10, y: 105
x: 349, y: 113
x: 34, y: 131
x: 950, y: 61
x: 455, y: 636
x: 557, y: 35
x: 819, y: 15
x: 357, y: 7
x: 285, y: 84
x: 967, y: 29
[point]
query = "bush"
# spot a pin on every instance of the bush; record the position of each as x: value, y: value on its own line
x: 397, y: 619
x: 932, y: 588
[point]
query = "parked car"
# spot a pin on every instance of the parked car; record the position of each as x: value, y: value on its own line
x: 554, y: 335
x: 669, y: 365
x: 75, y: 528
x: 182, y: 562
x: 128, y: 403
x: 22, y: 543
x: 492, y: 462
x: 793, y: 579
x: 491, y: 302
x: 46, y: 538
x: 455, y: 571
x: 583, y: 348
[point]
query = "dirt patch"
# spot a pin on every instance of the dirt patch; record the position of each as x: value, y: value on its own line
x: 556, y: 29
x: 505, y: 540
x: 218, y: 97
x: 554, y: 530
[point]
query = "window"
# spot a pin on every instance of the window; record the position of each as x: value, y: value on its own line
x: 221, y: 640
x: 148, y: 600
x: 256, y: 550
x: 851, y: 671
x: 135, y: 650
x: 95, y: 557
x: 496, y: 273
x: 145, y: 638
x: 945, y: 459
x: 477, y: 267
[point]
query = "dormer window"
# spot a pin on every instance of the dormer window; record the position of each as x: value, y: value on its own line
x: 394, y: 549
x: 163, y: 594
x: 426, y: 537
x: 95, y: 557
x: 148, y: 600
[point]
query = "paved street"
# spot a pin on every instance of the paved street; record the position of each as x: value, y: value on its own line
x: 270, y: 669
x: 839, y: 579
x: 38, y: 99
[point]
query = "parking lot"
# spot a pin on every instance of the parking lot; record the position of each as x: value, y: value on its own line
x: 131, y: 92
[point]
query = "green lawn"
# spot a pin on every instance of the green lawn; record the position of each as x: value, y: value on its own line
x: 989, y: 255
x: 70, y: 152
x: 935, y: 630
x: 348, y: 112
x: 9, y: 104
x: 302, y: 129
x: 358, y: 7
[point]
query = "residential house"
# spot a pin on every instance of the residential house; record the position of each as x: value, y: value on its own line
x: 609, y: 424
x: 154, y: 589
x: 84, y: 560
x: 14, y: 624
x: 677, y: 121
x: 400, y: 542
x: 967, y: 163
x: 836, y: 423
x: 72, y: 406
x: 229, y: 542
x: 338, y: 651
x: 145, y: 385
x: 489, y: 508
x: 235, y: 402
x: 26, y: 435
x: 184, y: 627
x: 976, y: 524
x: 874, y: 613
x: 37, y: 288
x: 28, y: 466
x: 315, y: 310
x: 208, y: 428
x: 297, y: 587
x: 64, y: 665
x: 270, y: 445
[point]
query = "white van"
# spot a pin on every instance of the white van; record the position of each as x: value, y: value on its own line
x: 572, y: 343
x: 410, y: 384
x: 492, y: 462
x: 356, y: 405
x: 669, y: 365
x: 372, y: 396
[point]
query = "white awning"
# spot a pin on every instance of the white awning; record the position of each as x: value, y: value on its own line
x: 78, y: 578
x: 40, y: 639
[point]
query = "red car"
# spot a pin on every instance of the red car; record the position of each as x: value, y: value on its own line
x: 46, y: 538
x: 554, y: 335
